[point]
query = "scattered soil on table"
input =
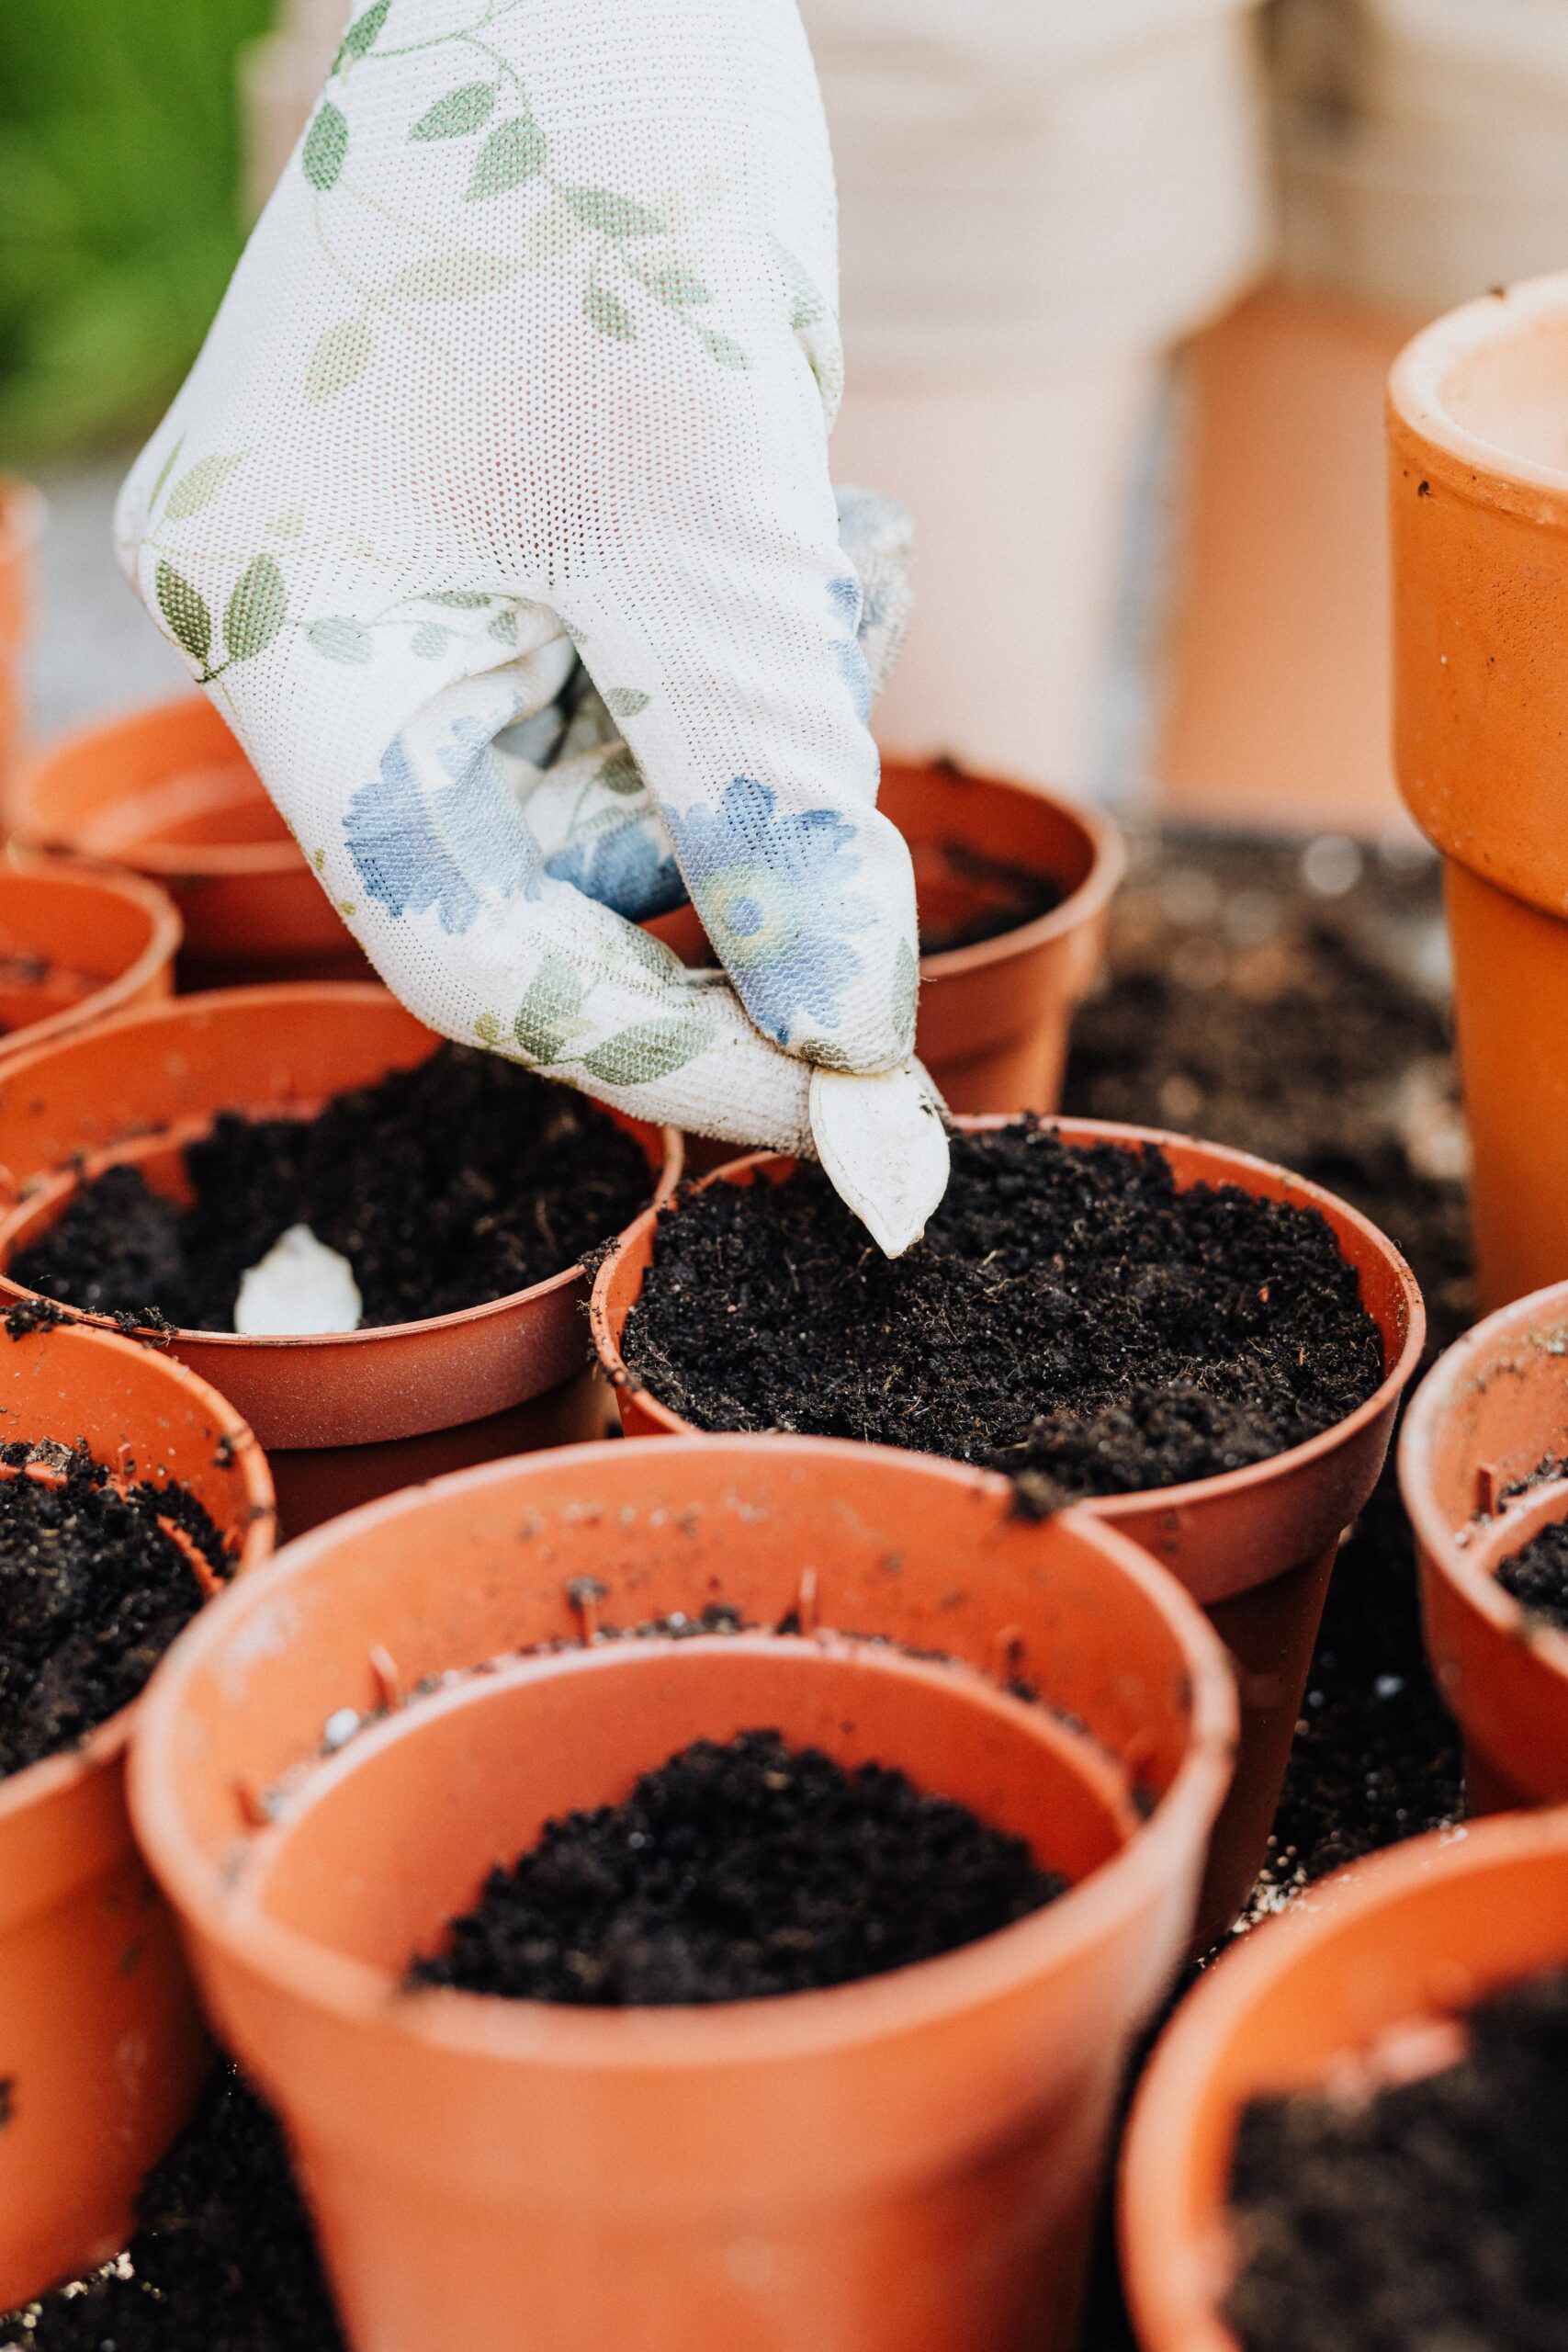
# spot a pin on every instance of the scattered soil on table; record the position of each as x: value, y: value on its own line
x: 1014, y: 895
x: 1425, y: 2217
x: 92, y: 1592
x: 734, y: 1873
x: 444, y: 1186
x: 222, y: 2260
x: 1070, y: 1317
x: 1537, y: 1576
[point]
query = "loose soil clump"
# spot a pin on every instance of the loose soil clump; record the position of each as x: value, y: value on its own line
x: 444, y: 1186
x: 93, y: 1590
x: 1014, y: 895
x: 1070, y: 1317
x: 734, y: 1873
x: 1427, y: 2215
x: 1537, y: 1576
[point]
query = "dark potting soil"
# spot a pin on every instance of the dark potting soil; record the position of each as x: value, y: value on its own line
x: 1537, y: 1576
x: 222, y: 2259
x: 1015, y: 894
x: 734, y: 1873
x: 92, y: 1592
x: 444, y: 1186
x: 1426, y: 2218
x: 1070, y: 1317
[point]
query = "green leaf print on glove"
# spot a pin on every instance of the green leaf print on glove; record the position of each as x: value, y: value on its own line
x: 514, y: 152
x: 326, y: 147
x: 190, y: 623
x: 457, y: 115
x: 254, y: 612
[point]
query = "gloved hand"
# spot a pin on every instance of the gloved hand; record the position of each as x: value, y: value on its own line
x: 524, y: 382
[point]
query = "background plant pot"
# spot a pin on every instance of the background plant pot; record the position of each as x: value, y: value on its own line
x: 912, y: 2159
x: 102, y: 2049
x: 347, y: 1414
x: 76, y: 943
x: 169, y: 791
x: 1479, y: 493
x: 1254, y: 1547
x: 22, y: 514
x: 1420, y: 1932
x: 1491, y: 1413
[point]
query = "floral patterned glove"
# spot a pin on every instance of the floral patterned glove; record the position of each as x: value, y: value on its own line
x: 496, y: 515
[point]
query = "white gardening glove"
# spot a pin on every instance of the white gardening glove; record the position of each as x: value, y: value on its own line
x: 532, y: 355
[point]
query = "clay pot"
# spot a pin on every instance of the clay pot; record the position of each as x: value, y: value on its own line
x: 22, y: 514
x: 1254, y: 1546
x: 102, y: 2051
x: 910, y: 2160
x: 1406, y: 1938
x: 76, y: 943
x: 1479, y: 487
x: 169, y: 791
x: 1489, y: 1414
x: 349, y: 1415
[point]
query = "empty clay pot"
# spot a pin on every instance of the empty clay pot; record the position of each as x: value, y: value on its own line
x: 909, y: 2161
x: 1406, y: 1938
x: 1478, y: 438
x: 1254, y: 1546
x: 77, y: 942
x: 1492, y: 1413
x: 22, y: 514
x: 102, y: 2049
x: 348, y: 1415
x: 169, y: 791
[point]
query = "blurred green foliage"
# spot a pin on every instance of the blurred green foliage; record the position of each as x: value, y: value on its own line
x: 118, y: 209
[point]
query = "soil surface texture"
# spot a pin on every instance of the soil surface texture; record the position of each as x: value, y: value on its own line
x: 444, y: 1186
x: 734, y: 1873
x: 1537, y: 1576
x: 222, y: 2259
x: 1014, y: 895
x: 92, y: 1592
x: 1425, y: 2217
x: 1070, y: 1317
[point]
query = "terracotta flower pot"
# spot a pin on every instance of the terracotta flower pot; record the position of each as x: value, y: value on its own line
x: 908, y: 2160
x: 1479, y: 489
x: 76, y: 943
x: 1254, y: 1546
x: 1489, y: 1414
x: 102, y: 2049
x: 352, y: 1414
x: 169, y: 791
x: 22, y: 514
x: 1417, y: 1933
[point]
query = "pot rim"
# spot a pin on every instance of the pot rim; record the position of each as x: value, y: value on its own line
x: 1229, y: 1163
x: 1083, y: 904
x: 284, y: 993
x: 116, y: 881
x: 1478, y: 468
x: 723, y: 2035
x: 1157, y: 2225
x: 51, y: 1775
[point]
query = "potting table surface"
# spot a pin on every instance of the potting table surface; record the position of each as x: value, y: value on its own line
x: 1288, y: 998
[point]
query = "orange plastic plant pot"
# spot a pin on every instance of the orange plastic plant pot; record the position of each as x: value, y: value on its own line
x: 370, y: 1409
x: 906, y: 2164
x: 22, y: 514
x: 102, y: 2049
x: 1492, y: 1413
x: 1478, y: 440
x: 1254, y: 1547
x: 77, y: 942
x: 169, y: 791
x: 1400, y: 1941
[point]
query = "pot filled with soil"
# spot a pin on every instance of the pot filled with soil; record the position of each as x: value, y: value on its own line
x: 165, y: 1165
x: 1479, y: 503
x: 77, y: 942
x: 865, y: 1836
x: 1200, y: 1347
x: 1351, y: 2137
x: 1482, y: 1460
x: 130, y: 1490
x: 169, y: 793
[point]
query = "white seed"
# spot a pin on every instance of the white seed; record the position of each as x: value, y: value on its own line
x: 300, y: 1286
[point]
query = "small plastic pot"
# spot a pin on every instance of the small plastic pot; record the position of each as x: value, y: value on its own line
x: 1404, y: 1939
x: 348, y: 1415
x: 102, y: 2051
x: 1479, y: 508
x: 76, y: 942
x: 22, y: 516
x: 910, y: 2160
x: 1488, y: 1415
x: 169, y: 791
x: 1254, y: 1547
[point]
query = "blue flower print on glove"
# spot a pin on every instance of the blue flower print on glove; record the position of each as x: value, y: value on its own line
x: 454, y: 848
x: 845, y: 600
